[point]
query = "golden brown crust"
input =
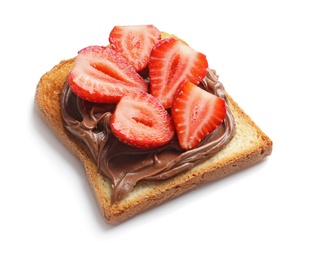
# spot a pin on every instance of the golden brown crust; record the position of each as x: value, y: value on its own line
x: 249, y: 146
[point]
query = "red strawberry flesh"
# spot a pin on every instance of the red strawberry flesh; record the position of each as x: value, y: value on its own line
x: 102, y: 75
x: 141, y: 121
x: 135, y: 43
x: 196, y: 113
x: 171, y: 63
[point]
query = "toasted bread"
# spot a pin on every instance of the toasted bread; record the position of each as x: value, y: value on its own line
x: 249, y: 146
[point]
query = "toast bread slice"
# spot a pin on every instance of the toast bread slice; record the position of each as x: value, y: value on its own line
x: 249, y: 146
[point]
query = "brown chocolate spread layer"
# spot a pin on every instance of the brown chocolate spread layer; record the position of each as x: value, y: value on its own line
x: 125, y: 165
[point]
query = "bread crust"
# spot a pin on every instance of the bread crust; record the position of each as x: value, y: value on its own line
x: 249, y: 146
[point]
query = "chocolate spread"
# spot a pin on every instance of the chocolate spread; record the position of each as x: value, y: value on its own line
x: 125, y: 165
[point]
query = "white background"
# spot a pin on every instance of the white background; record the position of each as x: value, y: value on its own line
x: 260, y: 49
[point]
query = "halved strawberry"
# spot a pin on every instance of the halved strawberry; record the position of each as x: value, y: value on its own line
x: 101, y: 74
x: 196, y: 113
x: 171, y: 63
x: 135, y: 43
x: 141, y: 121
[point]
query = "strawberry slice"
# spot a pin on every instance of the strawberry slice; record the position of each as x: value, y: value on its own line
x: 171, y: 63
x: 102, y: 75
x: 141, y: 121
x: 196, y: 113
x: 135, y: 43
